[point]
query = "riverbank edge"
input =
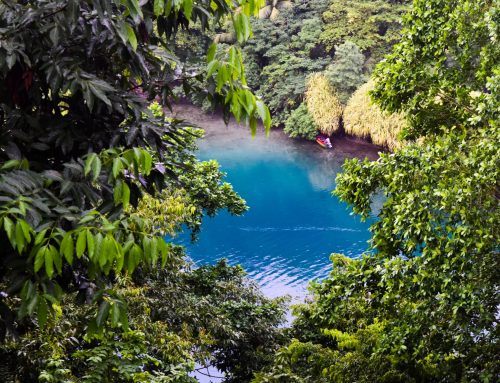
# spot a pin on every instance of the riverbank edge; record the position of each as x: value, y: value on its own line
x: 213, y: 124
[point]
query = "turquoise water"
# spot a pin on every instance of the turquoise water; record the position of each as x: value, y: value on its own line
x: 294, y: 223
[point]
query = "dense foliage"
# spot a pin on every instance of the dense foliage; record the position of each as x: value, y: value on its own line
x: 301, y: 124
x: 309, y: 36
x: 346, y: 72
x: 282, y: 53
x: 372, y: 25
x: 294, y: 39
x: 424, y: 306
x: 93, y: 176
x: 82, y: 159
x: 179, y: 319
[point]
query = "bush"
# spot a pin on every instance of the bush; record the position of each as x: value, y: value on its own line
x: 301, y: 124
x: 364, y: 119
x: 323, y: 104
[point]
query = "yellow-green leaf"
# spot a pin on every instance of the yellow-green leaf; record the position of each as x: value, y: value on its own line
x: 131, y: 37
x: 80, y: 243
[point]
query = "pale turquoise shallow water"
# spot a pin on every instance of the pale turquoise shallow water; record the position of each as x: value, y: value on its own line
x: 294, y: 223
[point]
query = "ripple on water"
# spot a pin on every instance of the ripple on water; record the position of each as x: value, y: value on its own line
x: 293, y: 225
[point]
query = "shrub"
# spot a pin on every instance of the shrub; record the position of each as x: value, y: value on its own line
x: 364, y: 119
x: 301, y: 124
x: 323, y: 104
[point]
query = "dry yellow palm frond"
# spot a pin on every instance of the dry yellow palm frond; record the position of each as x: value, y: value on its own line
x: 272, y: 9
x: 265, y: 12
x: 274, y: 14
x: 323, y: 104
x: 283, y: 5
x: 227, y: 37
x: 364, y: 119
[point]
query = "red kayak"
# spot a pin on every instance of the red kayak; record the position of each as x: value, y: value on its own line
x: 324, y: 141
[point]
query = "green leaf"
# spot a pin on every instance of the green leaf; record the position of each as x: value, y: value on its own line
x: 117, y: 167
x: 32, y: 304
x: 125, y: 195
x: 90, y: 244
x: 118, y: 192
x: 8, y: 226
x: 49, y: 263
x: 134, y: 8
x: 134, y: 258
x: 146, y: 247
x: 26, y: 229
x: 212, y: 67
x: 102, y: 313
x: 107, y: 251
x: 68, y: 247
x: 122, y: 31
x: 164, y: 251
x: 264, y: 114
x: 115, y: 314
x: 40, y: 237
x: 10, y: 164
x: 168, y: 7
x: 147, y: 162
x: 80, y: 243
x: 253, y: 125
x: 188, y: 8
x: 19, y: 236
x: 39, y: 258
x: 242, y: 27
x: 96, y: 168
x: 131, y: 37
x: 87, y: 218
x: 57, y: 258
x: 88, y: 163
x: 211, y: 52
x: 159, y: 7
x: 42, y: 311
x: 154, y: 251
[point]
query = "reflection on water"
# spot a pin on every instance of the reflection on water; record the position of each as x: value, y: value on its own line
x: 294, y: 223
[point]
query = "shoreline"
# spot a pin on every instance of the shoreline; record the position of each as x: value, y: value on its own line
x: 343, y: 146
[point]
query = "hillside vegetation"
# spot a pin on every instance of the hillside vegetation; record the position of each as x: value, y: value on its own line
x: 423, y: 306
x: 93, y: 175
x: 342, y: 40
x: 292, y: 40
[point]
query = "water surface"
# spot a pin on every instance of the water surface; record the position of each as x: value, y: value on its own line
x: 294, y: 223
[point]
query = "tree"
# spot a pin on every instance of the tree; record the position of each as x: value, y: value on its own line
x: 346, y: 72
x: 451, y: 82
x: 179, y: 317
x: 84, y: 158
x: 374, y: 26
x: 301, y: 124
x: 79, y: 146
x: 282, y: 53
x: 424, y: 306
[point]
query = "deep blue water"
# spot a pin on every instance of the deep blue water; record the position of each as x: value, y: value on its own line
x: 294, y: 223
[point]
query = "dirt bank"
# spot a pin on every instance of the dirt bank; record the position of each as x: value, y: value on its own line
x: 343, y: 146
